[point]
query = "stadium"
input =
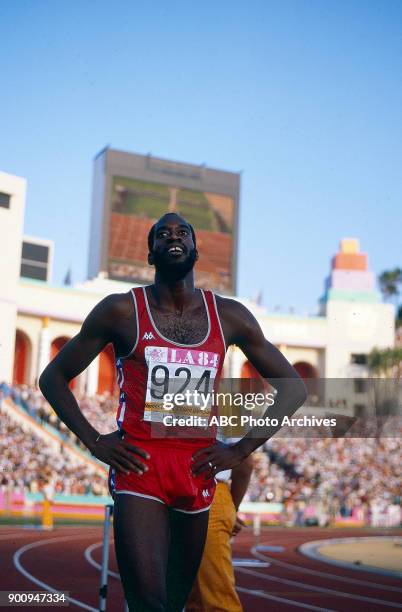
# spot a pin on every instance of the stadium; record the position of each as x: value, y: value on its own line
x: 325, y: 505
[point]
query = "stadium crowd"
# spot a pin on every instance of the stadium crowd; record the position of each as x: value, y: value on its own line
x: 28, y: 463
x: 316, y: 479
x: 319, y: 480
x: 100, y: 410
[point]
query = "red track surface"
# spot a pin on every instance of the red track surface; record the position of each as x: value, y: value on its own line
x: 292, y: 582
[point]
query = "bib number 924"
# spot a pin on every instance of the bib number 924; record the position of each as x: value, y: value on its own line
x: 178, y: 380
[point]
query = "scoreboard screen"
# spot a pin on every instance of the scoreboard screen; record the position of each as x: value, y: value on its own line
x: 137, y: 204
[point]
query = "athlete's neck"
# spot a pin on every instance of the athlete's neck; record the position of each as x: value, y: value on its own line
x: 173, y: 295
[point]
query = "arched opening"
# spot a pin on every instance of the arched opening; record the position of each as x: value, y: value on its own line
x: 107, y: 380
x: 22, y: 355
x: 309, y: 374
x: 305, y: 370
x: 55, y: 347
x: 251, y: 380
x: 249, y: 371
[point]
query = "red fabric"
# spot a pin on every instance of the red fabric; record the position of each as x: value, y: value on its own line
x: 169, y: 478
x: 133, y: 374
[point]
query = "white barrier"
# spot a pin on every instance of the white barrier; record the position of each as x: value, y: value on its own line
x: 105, y: 558
x: 259, y: 509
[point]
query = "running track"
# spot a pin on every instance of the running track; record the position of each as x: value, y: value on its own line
x: 68, y: 559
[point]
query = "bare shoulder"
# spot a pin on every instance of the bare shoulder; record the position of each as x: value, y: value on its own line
x: 111, y: 312
x: 229, y: 307
x: 120, y: 304
x: 115, y: 305
x: 236, y: 319
x: 112, y: 320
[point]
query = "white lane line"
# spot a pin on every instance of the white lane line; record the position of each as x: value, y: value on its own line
x: 298, y: 604
x: 312, y: 550
x: 256, y: 593
x: 318, y: 589
x: 18, y: 554
x: 95, y: 564
x: 260, y: 593
x: 312, y: 572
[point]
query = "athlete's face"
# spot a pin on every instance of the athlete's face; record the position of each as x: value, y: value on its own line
x: 174, y: 253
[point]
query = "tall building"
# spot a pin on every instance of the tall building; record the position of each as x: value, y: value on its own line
x: 12, y: 209
x: 130, y: 192
x: 350, y: 278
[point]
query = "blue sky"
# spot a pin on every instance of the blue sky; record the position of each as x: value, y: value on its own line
x: 303, y: 97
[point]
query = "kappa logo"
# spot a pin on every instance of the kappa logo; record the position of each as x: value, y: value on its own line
x: 205, y: 493
x: 148, y: 336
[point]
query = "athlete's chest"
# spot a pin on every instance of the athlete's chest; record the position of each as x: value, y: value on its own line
x: 188, y: 328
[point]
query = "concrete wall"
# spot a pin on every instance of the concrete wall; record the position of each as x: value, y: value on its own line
x: 324, y: 342
x: 97, y: 223
x: 313, y: 356
x: 59, y: 303
x: 293, y: 330
x: 31, y: 327
x: 11, y: 223
x: 356, y: 328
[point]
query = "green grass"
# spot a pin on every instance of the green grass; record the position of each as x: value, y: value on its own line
x: 140, y: 198
x: 136, y: 185
x: 151, y: 200
x: 139, y: 204
x: 193, y: 197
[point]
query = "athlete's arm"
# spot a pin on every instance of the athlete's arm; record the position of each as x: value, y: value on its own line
x: 240, y: 327
x: 240, y: 478
x: 104, y: 324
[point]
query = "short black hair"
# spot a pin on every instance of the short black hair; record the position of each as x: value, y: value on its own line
x: 151, y: 236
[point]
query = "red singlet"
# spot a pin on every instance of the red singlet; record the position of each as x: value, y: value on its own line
x: 155, y: 368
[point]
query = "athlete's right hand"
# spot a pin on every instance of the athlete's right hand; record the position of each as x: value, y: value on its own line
x: 237, y: 527
x: 122, y: 456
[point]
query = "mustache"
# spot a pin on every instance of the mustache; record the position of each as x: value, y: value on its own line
x: 176, y: 244
x: 174, y: 270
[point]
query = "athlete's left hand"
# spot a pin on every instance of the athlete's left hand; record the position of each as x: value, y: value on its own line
x: 238, y: 526
x: 216, y: 458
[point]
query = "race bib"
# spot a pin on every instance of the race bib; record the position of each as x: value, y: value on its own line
x: 180, y: 382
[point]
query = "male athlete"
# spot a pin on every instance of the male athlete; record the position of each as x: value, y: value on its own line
x: 163, y: 486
